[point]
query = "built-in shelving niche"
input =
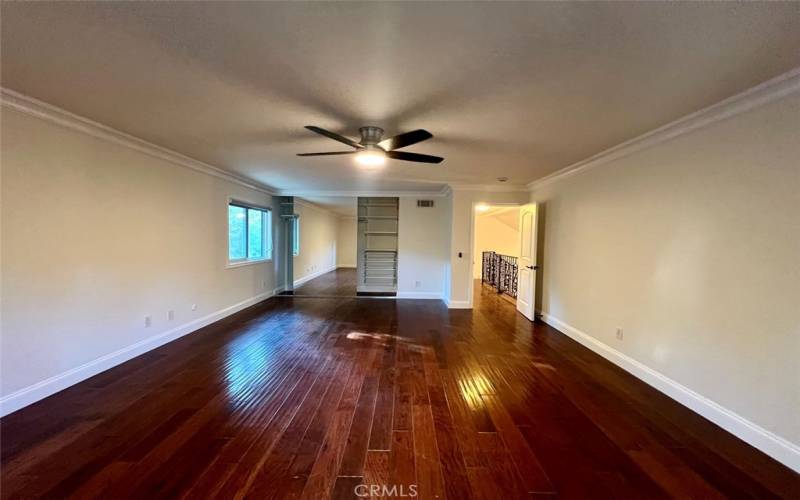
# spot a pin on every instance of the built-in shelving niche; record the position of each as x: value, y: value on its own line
x: 377, y: 245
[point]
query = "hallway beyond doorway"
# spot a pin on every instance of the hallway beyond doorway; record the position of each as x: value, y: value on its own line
x: 340, y: 282
x: 496, y: 245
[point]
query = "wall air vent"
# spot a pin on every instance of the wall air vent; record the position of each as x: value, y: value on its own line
x: 425, y: 203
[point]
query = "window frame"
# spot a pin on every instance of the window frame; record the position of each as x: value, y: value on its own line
x: 267, y: 233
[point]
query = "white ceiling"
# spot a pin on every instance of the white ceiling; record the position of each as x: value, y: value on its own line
x: 506, y: 215
x: 508, y: 89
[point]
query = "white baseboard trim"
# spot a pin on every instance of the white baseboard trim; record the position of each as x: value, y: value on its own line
x: 770, y: 443
x: 459, y: 304
x: 307, y: 278
x: 419, y: 295
x: 47, y: 387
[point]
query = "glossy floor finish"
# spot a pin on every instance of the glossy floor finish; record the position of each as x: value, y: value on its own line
x: 337, y: 283
x: 309, y: 398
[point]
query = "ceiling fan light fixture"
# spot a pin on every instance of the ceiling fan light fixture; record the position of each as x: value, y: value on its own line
x: 373, y: 151
x: 371, y: 158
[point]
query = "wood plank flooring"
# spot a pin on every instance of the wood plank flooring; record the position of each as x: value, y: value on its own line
x: 337, y: 283
x: 312, y: 398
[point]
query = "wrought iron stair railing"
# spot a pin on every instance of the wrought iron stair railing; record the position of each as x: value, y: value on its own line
x: 500, y: 271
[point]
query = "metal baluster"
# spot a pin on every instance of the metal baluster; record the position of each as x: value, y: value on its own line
x: 500, y: 272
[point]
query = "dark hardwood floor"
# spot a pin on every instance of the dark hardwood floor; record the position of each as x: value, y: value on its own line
x: 307, y: 397
x: 337, y: 283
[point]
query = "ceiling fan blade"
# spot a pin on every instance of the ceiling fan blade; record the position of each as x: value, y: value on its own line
x: 402, y: 155
x: 335, y: 137
x: 403, y: 140
x: 327, y: 154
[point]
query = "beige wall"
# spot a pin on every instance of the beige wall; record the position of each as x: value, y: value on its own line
x: 96, y: 236
x: 318, y: 232
x: 493, y: 235
x: 347, y: 242
x: 422, y: 248
x: 693, y: 248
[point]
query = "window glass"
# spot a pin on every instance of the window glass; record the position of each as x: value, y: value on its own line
x: 237, y: 235
x: 296, y: 236
x: 255, y: 234
x: 268, y: 234
x: 249, y: 233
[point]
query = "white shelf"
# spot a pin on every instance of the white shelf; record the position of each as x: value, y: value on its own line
x: 377, y: 267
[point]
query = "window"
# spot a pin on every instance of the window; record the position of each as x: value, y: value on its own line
x: 249, y: 233
x: 296, y: 235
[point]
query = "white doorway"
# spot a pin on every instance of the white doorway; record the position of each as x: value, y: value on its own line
x: 324, y: 251
x: 495, y: 250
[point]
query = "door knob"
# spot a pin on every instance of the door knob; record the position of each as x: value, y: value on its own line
x: 533, y: 267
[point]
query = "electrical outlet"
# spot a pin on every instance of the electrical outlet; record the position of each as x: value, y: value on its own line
x: 170, y: 315
x: 619, y: 333
x: 148, y: 321
x: 417, y: 284
x: 194, y: 307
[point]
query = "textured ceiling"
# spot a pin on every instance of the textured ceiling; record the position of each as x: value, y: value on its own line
x: 508, y: 89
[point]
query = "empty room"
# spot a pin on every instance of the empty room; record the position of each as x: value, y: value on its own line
x: 435, y: 250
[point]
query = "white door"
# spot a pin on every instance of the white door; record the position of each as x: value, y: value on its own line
x: 526, y: 265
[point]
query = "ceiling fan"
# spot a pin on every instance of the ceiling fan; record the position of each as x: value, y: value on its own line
x: 373, y: 150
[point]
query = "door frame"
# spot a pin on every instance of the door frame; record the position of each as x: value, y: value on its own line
x: 470, y: 292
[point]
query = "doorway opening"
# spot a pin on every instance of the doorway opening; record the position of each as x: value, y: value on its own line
x: 324, y: 246
x: 496, y: 250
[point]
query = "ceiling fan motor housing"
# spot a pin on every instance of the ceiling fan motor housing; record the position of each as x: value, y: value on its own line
x: 370, y: 136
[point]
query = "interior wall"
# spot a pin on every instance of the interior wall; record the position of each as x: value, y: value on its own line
x: 423, y: 234
x: 318, y: 232
x: 347, y: 242
x: 95, y: 237
x: 462, y: 210
x: 692, y: 247
x: 447, y: 215
x: 493, y: 235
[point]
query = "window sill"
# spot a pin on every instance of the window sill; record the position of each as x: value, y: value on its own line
x: 243, y: 263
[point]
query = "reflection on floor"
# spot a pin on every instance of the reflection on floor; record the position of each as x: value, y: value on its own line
x: 309, y: 398
x: 487, y: 288
x: 338, y: 283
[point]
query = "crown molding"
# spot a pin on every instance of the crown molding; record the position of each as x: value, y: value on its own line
x: 491, y: 188
x: 399, y: 194
x: 39, y: 109
x: 759, y: 95
x: 444, y: 191
x: 48, y: 112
